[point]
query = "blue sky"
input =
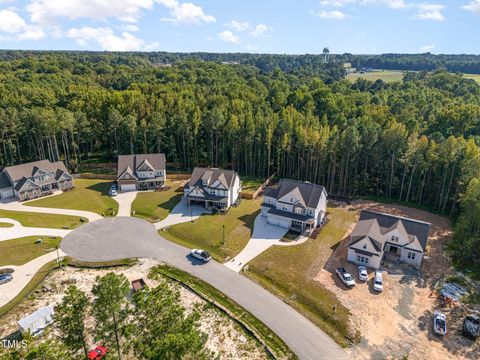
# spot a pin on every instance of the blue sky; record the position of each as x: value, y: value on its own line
x: 265, y: 26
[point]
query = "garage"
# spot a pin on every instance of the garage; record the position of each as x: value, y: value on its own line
x: 6, y: 193
x: 279, y: 222
x: 128, y: 187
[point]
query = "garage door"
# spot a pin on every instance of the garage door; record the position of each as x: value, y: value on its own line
x: 284, y: 223
x: 6, y: 194
x: 128, y: 187
x: 273, y: 221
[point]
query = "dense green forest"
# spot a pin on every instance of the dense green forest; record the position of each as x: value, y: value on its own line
x: 414, y: 141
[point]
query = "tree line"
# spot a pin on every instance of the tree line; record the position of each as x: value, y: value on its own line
x: 414, y: 141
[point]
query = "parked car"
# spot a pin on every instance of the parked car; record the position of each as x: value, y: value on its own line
x: 346, y: 277
x: 471, y: 327
x: 98, y: 353
x: 201, y: 255
x: 362, y: 273
x: 113, y: 192
x: 378, y: 281
x: 439, y: 323
x: 5, y: 278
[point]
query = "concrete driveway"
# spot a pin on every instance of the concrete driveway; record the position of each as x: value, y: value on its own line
x: 182, y: 213
x: 122, y: 237
x: 22, y: 276
x: 125, y: 200
x: 15, y: 205
x: 264, y: 235
x: 18, y: 231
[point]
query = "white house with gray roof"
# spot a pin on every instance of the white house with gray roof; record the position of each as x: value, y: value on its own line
x: 211, y: 187
x: 141, y: 172
x: 379, y: 236
x: 34, y: 179
x: 296, y: 205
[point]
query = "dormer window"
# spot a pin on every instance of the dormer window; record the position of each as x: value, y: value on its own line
x: 364, y: 246
x: 395, y: 238
x: 291, y: 200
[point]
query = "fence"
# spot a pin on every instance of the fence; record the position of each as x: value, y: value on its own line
x: 249, y: 195
x: 95, y: 176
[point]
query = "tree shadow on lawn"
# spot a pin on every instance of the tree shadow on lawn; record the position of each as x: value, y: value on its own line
x: 170, y: 203
x: 101, y: 187
x: 248, y: 220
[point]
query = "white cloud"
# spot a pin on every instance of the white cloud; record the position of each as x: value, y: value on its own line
x: 473, y: 6
x: 238, y: 25
x: 394, y: 4
x: 12, y: 23
x: 229, y: 37
x: 260, y: 30
x: 130, y: 27
x: 185, y: 13
x: 427, y: 48
x: 334, y: 14
x: 429, y: 12
x: 105, y: 37
x: 45, y: 12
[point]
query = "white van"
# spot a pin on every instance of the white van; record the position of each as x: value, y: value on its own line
x: 378, y: 281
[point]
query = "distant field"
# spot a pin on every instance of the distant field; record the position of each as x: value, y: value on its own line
x: 392, y: 75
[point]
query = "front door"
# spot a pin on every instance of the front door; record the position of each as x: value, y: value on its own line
x: 393, y: 249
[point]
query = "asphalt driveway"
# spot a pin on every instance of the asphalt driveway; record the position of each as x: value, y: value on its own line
x: 123, y: 237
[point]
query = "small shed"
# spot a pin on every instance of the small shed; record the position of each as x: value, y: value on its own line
x: 138, y: 285
x: 36, y: 322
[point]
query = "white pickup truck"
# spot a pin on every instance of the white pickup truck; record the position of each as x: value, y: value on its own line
x: 346, y: 277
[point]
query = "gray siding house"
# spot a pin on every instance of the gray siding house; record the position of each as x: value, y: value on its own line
x: 31, y: 180
x: 296, y: 205
x: 141, y: 172
x: 379, y: 236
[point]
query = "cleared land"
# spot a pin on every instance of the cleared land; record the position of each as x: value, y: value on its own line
x: 21, y: 251
x: 250, y: 185
x: 289, y: 273
x: 155, y: 206
x: 475, y: 77
x: 385, y: 75
x: 207, y: 231
x: 88, y: 195
x: 43, y: 220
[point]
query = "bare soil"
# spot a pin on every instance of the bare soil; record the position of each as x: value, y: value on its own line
x: 397, y: 323
x: 225, y: 337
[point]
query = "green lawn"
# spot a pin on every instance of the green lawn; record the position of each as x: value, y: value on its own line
x: 207, y: 231
x: 385, y: 75
x: 21, y: 251
x: 88, y: 195
x: 250, y: 185
x: 155, y: 206
x: 5, y: 225
x: 288, y: 272
x: 43, y: 220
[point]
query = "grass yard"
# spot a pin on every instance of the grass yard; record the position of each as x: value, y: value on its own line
x: 21, y: 251
x: 5, y: 225
x: 385, y: 75
x: 250, y: 185
x: 88, y: 195
x: 43, y: 220
x: 155, y: 206
x: 289, y: 273
x: 207, y: 231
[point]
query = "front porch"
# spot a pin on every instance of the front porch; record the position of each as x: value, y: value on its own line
x: 150, y: 184
x: 301, y: 226
x: 219, y: 204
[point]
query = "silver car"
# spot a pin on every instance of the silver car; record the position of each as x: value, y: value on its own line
x: 5, y: 278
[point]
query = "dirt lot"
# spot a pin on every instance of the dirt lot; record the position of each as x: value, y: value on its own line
x: 226, y: 338
x: 398, y: 322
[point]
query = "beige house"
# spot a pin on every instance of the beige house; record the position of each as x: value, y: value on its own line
x: 378, y: 237
x: 141, y: 172
x: 34, y: 179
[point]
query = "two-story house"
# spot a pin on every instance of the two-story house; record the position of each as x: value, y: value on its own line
x: 295, y: 205
x: 141, y: 172
x: 31, y: 180
x: 378, y: 237
x: 212, y: 187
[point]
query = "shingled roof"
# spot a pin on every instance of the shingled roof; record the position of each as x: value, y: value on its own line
x: 157, y: 161
x: 375, y: 225
x: 27, y: 170
x: 211, y: 175
x: 307, y: 193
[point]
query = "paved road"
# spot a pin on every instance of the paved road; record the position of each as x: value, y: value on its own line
x: 121, y: 237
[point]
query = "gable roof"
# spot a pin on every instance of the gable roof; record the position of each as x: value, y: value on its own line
x: 27, y: 170
x: 156, y: 161
x: 4, y: 182
x: 417, y: 231
x: 211, y: 175
x: 308, y: 194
